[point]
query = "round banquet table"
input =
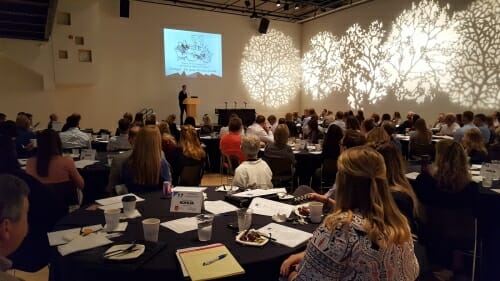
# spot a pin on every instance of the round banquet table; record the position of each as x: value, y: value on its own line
x: 160, y: 262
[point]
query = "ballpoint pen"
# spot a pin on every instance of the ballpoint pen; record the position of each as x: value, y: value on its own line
x: 219, y: 257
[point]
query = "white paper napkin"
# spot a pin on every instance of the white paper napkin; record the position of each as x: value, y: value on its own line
x: 133, y: 215
x: 58, y: 237
x: 121, y: 227
x: 82, y: 243
x: 181, y: 225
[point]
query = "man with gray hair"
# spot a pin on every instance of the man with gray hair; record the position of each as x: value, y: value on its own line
x: 254, y: 172
x: 14, y: 207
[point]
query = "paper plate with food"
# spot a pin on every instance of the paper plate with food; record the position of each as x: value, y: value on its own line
x: 252, y: 238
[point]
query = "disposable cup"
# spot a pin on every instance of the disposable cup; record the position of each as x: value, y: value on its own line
x: 112, y: 218
x: 128, y: 202
x: 244, y: 218
x: 316, y: 209
x: 151, y: 228
x: 205, y: 224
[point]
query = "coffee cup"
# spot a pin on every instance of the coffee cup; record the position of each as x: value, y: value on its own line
x: 128, y: 202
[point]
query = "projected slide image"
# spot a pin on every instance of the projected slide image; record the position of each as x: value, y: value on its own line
x: 190, y: 53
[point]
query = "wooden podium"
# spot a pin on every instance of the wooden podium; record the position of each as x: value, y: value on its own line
x: 191, y: 104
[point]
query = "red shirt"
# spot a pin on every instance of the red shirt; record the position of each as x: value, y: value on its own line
x: 231, y: 144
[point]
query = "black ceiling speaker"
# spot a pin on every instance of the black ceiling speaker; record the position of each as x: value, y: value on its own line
x: 264, y: 24
x: 124, y: 8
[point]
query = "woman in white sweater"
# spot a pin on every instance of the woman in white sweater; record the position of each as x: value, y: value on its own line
x: 254, y: 172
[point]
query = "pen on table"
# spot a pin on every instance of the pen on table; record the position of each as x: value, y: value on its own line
x: 219, y: 257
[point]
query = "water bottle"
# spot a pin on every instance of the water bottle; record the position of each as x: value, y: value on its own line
x: 167, y: 189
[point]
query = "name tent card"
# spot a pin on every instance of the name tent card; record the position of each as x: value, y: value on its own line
x: 490, y: 171
x: 186, y: 201
x: 87, y: 154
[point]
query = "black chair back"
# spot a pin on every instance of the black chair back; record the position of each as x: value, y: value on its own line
x: 231, y: 162
x: 494, y: 152
x: 282, y: 169
x: 418, y: 150
x: 191, y: 175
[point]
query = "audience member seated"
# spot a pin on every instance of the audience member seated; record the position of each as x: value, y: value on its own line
x: 273, y: 122
x: 396, y: 118
x: 145, y: 169
x: 439, y: 122
x: 449, y: 186
x: 191, y: 157
x: 390, y: 129
x: 53, y: 119
x: 280, y: 148
x: 474, y: 146
x: 24, y: 146
x: 173, y: 127
x: 168, y: 143
x: 42, y: 213
x: 450, y: 126
x: 259, y: 128
x: 58, y: 173
x: 420, y: 137
x: 407, y: 124
x: 115, y: 173
x: 14, y: 208
x: 230, y: 143
x: 339, y: 120
x: 138, y: 119
x: 254, y: 172
x: 352, y: 123
x: 73, y: 137
x: 480, y: 122
x: 127, y: 116
x: 3, y: 117
x: 366, y: 237
x: 207, y: 127
x: 360, y: 116
x: 313, y: 134
x: 467, y: 118
x: 120, y: 142
x: 290, y: 123
x: 190, y: 121
x: 377, y: 135
x: 494, y: 149
x: 366, y: 126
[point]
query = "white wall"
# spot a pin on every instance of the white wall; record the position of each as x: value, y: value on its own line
x: 385, y: 11
x: 128, y: 58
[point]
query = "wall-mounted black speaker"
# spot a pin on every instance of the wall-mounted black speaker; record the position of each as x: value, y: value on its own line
x: 124, y: 8
x: 264, y: 24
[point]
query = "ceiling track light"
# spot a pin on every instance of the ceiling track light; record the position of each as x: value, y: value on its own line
x: 278, y: 3
x: 296, y: 6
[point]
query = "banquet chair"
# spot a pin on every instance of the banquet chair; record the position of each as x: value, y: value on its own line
x: 191, y: 175
x: 419, y: 150
x: 283, y: 171
x: 64, y: 195
x: 230, y: 162
x: 328, y: 173
x: 494, y: 152
x: 447, y: 232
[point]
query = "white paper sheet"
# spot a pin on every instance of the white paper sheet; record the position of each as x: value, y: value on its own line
x: 116, y: 199
x: 80, y: 164
x: 412, y: 175
x: 266, y: 207
x: 188, y: 189
x: 121, y: 227
x: 181, y: 225
x: 219, y: 207
x: 81, y: 243
x: 57, y: 237
x: 22, y: 161
x: 133, y: 215
x: 226, y: 188
x: 477, y: 179
x: 476, y: 167
x: 495, y: 190
x: 285, y: 235
x: 259, y: 192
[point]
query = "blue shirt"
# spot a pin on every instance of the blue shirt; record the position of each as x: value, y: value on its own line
x: 459, y: 133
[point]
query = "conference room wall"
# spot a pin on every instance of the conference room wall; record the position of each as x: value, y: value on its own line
x: 129, y: 62
x: 385, y: 11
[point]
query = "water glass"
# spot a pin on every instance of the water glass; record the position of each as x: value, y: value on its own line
x: 205, y: 225
x: 151, y: 228
x: 316, y: 209
x: 244, y: 218
x: 112, y: 218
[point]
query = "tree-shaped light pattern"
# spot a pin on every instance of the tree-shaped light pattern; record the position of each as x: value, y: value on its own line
x: 363, y: 75
x: 270, y: 68
x: 420, y: 48
x: 321, y: 66
x: 475, y: 80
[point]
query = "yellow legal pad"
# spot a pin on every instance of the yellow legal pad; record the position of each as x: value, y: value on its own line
x: 219, y: 262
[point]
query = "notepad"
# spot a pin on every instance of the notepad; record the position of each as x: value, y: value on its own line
x: 193, y: 260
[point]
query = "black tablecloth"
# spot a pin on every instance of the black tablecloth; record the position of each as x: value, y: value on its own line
x: 260, y: 263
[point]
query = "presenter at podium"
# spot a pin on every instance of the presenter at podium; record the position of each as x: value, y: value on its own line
x: 182, y: 96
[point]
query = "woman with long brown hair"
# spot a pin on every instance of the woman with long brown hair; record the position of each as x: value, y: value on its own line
x: 145, y: 169
x: 189, y: 151
x: 366, y: 237
x: 474, y: 146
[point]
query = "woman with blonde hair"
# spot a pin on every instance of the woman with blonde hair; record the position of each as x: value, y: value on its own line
x: 168, y: 143
x: 474, y: 146
x: 145, y: 169
x: 189, y: 151
x: 366, y: 237
x: 377, y: 135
